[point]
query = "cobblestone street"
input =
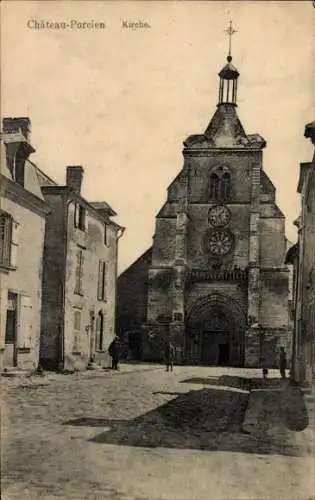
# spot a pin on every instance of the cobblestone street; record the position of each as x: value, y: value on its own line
x: 142, y: 433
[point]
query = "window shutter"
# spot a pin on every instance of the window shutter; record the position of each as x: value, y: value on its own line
x: 14, y: 243
x: 5, y: 239
x: 25, y: 323
x: 78, y: 272
x: 76, y: 215
x: 99, y: 281
x: 83, y: 219
x: 81, y: 271
x: 104, y: 281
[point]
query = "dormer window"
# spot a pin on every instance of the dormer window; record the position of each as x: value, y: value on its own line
x: 19, y: 168
x: 79, y: 217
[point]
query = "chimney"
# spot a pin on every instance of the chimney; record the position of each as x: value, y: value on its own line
x: 75, y: 178
x: 23, y: 124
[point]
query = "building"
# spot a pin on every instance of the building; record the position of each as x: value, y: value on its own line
x: 22, y: 228
x: 79, y: 279
x: 215, y: 279
x: 302, y: 256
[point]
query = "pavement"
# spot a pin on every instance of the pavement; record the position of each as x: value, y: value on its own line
x: 198, y: 433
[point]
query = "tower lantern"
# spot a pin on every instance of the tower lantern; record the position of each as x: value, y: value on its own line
x: 228, y: 76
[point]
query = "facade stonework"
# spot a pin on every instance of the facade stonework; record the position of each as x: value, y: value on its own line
x: 22, y: 218
x: 79, y: 279
x: 217, y: 284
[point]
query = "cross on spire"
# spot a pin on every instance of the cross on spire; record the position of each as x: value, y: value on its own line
x: 230, y: 31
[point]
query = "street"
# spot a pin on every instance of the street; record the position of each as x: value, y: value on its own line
x: 198, y: 433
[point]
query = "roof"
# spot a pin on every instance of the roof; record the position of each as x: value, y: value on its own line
x: 225, y: 130
x: 309, y: 132
x: 229, y: 72
x: 43, y: 178
x: 292, y: 254
x: 304, y: 167
x: 104, y: 207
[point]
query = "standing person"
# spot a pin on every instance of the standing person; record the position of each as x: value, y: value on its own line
x: 283, y: 362
x: 114, y: 353
x: 169, y: 356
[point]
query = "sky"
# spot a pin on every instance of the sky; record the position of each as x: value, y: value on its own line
x: 120, y: 102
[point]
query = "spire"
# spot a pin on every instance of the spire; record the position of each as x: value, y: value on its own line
x: 228, y: 75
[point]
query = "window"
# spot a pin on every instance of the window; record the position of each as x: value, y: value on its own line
x: 77, y: 320
x: 214, y: 186
x: 226, y: 186
x: 76, y: 329
x: 11, y: 322
x: 220, y: 184
x: 8, y: 240
x: 177, y: 316
x: 5, y: 239
x: 19, y: 171
x: 101, y: 285
x: 79, y: 273
x: 79, y: 216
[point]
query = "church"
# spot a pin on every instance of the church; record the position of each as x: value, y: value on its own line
x: 214, y: 281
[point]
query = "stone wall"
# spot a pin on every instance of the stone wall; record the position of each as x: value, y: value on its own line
x: 132, y: 295
x: 52, y: 324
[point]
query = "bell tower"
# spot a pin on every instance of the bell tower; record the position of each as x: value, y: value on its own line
x: 215, y: 283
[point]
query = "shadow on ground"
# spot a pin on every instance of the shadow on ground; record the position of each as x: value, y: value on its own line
x: 205, y: 419
x: 234, y: 381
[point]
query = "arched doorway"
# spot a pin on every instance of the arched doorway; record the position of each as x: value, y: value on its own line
x: 215, y: 327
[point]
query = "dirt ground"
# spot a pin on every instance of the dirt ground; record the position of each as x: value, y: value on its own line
x: 198, y: 433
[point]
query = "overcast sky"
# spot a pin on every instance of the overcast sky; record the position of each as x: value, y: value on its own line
x: 121, y: 102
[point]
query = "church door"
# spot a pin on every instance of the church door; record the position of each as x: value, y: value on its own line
x: 220, y: 326
x: 224, y: 354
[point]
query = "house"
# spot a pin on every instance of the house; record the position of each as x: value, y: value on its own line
x: 23, y: 212
x: 79, y: 278
x: 302, y: 257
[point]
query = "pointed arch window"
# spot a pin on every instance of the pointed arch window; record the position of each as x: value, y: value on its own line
x: 220, y: 187
x: 214, y: 186
x: 226, y: 186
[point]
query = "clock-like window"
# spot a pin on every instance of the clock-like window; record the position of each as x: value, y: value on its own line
x: 219, y: 216
x: 220, y: 184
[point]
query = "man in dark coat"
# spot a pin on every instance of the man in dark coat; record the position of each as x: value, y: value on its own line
x: 169, y: 355
x: 283, y: 362
x: 114, y: 353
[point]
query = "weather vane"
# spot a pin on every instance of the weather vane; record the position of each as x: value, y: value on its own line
x: 230, y: 31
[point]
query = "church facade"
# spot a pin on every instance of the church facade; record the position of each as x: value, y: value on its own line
x: 215, y: 280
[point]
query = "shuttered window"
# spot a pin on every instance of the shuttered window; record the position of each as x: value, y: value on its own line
x: 101, y: 285
x: 76, y: 329
x: 26, y: 322
x: 79, y: 217
x: 79, y: 273
x: 9, y: 232
x: 14, y: 243
x: 5, y: 239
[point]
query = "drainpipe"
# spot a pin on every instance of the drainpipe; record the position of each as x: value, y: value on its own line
x: 119, y: 234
